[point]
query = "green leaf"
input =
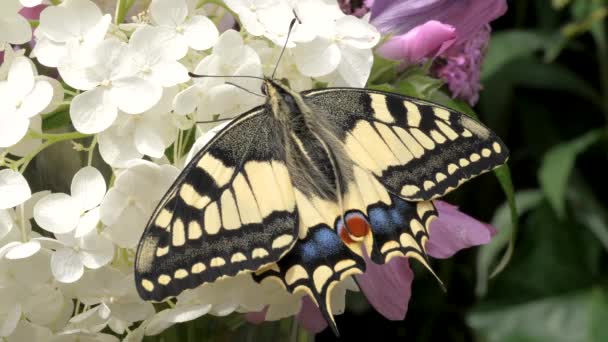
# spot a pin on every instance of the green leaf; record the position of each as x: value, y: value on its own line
x: 559, y: 4
x: 57, y: 119
x: 383, y: 70
x: 503, y: 174
x: 418, y: 84
x: 578, y: 317
x: 507, y: 46
x: 588, y: 210
x: 525, y: 201
x: 557, y: 165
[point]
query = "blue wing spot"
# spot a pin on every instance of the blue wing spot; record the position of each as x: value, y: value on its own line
x: 380, y: 220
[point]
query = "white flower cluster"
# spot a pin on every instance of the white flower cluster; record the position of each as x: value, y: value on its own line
x: 66, y: 260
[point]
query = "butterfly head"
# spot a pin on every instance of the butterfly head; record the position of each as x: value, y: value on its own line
x: 283, y: 101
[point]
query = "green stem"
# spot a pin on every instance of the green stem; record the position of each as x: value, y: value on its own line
x: 70, y: 92
x: 50, y: 140
x: 122, y: 8
x: 24, y: 232
x: 91, y: 148
x: 598, y: 31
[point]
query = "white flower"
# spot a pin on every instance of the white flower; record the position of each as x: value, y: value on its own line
x: 16, y: 230
x: 91, y: 250
x: 27, y: 289
x: 211, y: 96
x: 154, y: 59
x: 14, y: 28
x: 129, y: 203
x: 115, y: 300
x: 22, y: 96
x: 182, y: 29
x: 345, y: 46
x: 286, y: 69
x: 271, y: 18
x: 60, y: 213
x: 111, y: 83
x: 9, y: 57
x: 134, y: 135
x: 30, y: 3
x: 14, y: 189
x: 59, y: 30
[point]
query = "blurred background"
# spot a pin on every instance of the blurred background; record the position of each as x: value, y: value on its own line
x: 545, y: 93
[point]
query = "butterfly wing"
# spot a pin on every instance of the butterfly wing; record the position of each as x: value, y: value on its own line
x: 418, y: 150
x: 324, y: 255
x: 232, y: 209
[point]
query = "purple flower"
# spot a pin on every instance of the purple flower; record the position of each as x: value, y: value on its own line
x: 460, y: 63
x: 425, y: 41
x: 388, y: 287
x: 466, y: 16
x: 461, y: 69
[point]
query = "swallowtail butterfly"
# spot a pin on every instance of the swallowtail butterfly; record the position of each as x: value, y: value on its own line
x: 302, y: 188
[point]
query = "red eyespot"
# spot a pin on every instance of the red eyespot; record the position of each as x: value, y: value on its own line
x: 358, y: 227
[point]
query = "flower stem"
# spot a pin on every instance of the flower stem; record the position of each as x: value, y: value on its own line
x: 50, y: 140
x: 24, y: 232
x: 122, y: 8
x: 91, y: 148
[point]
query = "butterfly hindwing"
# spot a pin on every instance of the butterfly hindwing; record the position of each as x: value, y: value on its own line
x: 232, y: 209
x: 401, y: 229
x: 418, y: 150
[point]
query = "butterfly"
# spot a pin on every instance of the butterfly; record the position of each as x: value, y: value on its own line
x: 302, y: 188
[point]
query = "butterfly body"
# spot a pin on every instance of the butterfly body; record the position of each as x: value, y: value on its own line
x: 305, y: 188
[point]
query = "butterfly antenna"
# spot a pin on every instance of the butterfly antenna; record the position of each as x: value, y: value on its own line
x: 213, y: 121
x: 191, y: 74
x: 293, y: 22
x: 245, y: 89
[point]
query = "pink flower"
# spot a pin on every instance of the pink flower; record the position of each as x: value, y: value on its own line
x: 460, y: 63
x: 425, y: 41
x: 466, y: 16
x: 461, y: 69
x: 388, y: 287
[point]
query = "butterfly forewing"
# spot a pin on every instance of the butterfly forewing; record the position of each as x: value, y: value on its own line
x: 418, y: 150
x: 231, y: 210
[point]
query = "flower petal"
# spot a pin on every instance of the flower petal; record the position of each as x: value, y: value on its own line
x: 15, y: 29
x: 310, y: 316
x: 169, y: 12
x: 454, y: 230
x: 93, y: 111
x: 13, y: 128
x: 117, y: 150
x: 317, y: 58
x: 66, y: 265
x: 355, y: 66
x: 57, y: 213
x: 425, y: 41
x: 23, y: 250
x: 21, y: 77
x: 387, y: 287
x: 256, y: 317
x: 14, y: 189
x: 466, y: 16
x: 6, y: 222
x: 88, y: 187
x: 185, y: 101
x: 9, y: 319
x: 134, y: 95
x: 200, y: 33
x: 88, y: 222
x: 37, y: 100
